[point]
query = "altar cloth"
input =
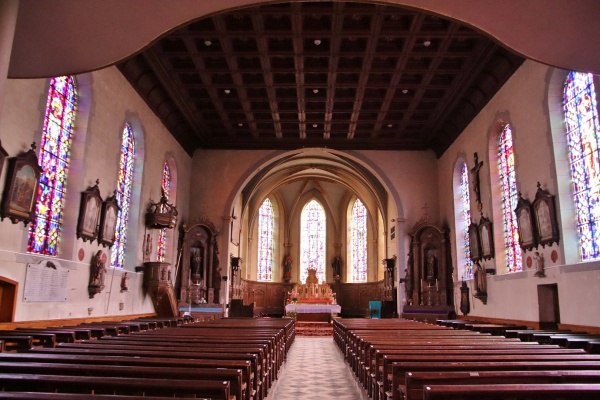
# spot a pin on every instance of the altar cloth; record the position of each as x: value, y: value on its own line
x: 313, y: 308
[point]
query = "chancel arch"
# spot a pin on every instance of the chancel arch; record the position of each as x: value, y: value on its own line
x: 291, y: 181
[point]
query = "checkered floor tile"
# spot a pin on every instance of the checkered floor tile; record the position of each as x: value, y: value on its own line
x: 315, y: 370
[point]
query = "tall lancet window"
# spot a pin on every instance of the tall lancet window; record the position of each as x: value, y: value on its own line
x: 54, y: 156
x: 583, y: 138
x: 124, y: 186
x: 358, y: 229
x: 266, y: 224
x: 465, y: 213
x: 166, y: 190
x: 312, y: 240
x: 508, y: 186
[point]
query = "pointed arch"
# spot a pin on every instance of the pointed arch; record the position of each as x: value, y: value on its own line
x: 462, y: 219
x: 266, y: 227
x: 124, y: 195
x: 509, y: 196
x: 313, y: 239
x: 358, y: 241
x: 54, y: 158
x: 583, y: 140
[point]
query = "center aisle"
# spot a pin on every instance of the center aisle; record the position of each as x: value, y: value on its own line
x: 314, y: 370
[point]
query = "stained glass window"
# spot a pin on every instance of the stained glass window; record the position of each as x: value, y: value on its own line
x: 266, y: 223
x: 125, y: 181
x: 583, y: 138
x: 312, y: 240
x: 465, y: 212
x: 358, y: 231
x: 508, y: 186
x: 166, y: 190
x: 54, y: 156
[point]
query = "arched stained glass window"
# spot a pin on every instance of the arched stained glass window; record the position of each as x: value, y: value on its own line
x: 508, y: 186
x: 583, y: 139
x: 124, y: 185
x: 54, y: 157
x: 266, y: 224
x: 312, y: 240
x: 465, y: 206
x: 358, y: 230
x: 166, y: 190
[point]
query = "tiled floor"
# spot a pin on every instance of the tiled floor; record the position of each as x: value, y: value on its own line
x: 315, y: 370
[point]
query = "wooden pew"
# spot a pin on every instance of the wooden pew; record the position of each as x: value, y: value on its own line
x: 73, y: 396
x: 247, y: 362
x: 38, y: 339
x: 16, y: 342
x: 511, y: 391
x: 416, y: 381
x: 400, y: 369
x: 115, y: 385
x: 233, y: 376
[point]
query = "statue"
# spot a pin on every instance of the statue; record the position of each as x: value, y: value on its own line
x: 431, y: 267
x: 147, y: 248
x: 336, y: 266
x: 195, y: 262
x: 97, y: 272
x: 539, y: 265
x: 124, y: 278
x: 287, y: 268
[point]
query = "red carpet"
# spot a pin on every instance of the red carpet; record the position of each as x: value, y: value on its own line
x: 314, y: 328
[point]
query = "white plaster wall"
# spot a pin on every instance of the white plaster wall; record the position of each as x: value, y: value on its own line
x: 523, y: 103
x: 113, y: 102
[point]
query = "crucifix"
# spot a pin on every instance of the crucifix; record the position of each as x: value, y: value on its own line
x: 475, y: 174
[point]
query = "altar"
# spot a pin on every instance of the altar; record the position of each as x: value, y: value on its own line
x: 313, y: 312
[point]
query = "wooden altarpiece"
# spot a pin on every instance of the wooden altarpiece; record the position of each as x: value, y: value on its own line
x: 428, y: 282
x: 200, y: 280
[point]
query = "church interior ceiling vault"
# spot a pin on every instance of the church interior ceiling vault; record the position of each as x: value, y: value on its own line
x: 395, y: 75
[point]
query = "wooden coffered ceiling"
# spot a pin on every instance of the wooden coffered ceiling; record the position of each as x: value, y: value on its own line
x: 320, y: 74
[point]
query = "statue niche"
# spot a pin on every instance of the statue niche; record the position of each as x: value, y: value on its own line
x: 428, y: 274
x: 200, y: 279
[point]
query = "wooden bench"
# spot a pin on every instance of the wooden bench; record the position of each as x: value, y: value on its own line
x: 416, y: 381
x: 247, y: 362
x: 73, y: 396
x: 38, y: 339
x: 115, y: 385
x: 16, y: 342
x: 400, y: 369
x: 233, y: 376
x: 511, y: 391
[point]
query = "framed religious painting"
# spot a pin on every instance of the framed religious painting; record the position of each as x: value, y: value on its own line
x: 545, y: 217
x: 89, y: 213
x: 486, y: 235
x: 526, y: 224
x: 22, y: 187
x: 474, y: 242
x: 108, y: 221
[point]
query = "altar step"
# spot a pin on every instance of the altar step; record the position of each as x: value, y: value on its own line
x: 307, y: 328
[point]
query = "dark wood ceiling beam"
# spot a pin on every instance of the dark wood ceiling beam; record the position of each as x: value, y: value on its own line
x: 376, y: 25
x: 433, y: 67
x: 263, y: 51
x: 299, y: 67
x: 179, y: 98
x: 337, y: 24
x: 397, y: 75
x: 207, y: 82
x: 236, y: 76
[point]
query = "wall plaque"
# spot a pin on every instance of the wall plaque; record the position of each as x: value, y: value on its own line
x: 46, y: 281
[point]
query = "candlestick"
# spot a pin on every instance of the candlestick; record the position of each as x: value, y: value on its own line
x: 436, y: 285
